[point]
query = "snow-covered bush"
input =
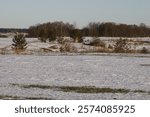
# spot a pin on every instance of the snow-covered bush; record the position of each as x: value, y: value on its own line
x: 122, y: 45
x: 67, y: 47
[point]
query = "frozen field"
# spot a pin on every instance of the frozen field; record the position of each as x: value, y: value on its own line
x: 61, y: 77
x: 35, y: 46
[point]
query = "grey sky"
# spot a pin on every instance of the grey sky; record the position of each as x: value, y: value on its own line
x: 24, y: 13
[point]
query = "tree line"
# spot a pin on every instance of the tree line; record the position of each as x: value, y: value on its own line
x: 52, y: 30
x: 9, y: 30
x: 110, y: 29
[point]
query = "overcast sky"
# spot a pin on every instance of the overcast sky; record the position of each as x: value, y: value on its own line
x: 24, y: 13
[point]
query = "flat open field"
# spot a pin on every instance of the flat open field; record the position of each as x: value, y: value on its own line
x: 34, y: 46
x: 74, y: 77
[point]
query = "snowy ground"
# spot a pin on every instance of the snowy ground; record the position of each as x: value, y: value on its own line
x: 35, y: 46
x: 38, y: 77
x: 46, y: 76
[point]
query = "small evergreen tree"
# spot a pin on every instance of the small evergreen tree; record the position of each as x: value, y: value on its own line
x: 19, y: 42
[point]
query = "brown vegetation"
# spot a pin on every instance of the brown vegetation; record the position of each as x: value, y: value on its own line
x: 51, y: 30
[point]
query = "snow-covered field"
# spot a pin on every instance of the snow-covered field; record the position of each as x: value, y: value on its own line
x: 35, y: 46
x: 57, y: 76
x: 41, y: 77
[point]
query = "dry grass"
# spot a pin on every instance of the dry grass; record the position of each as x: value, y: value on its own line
x: 82, y: 89
x: 9, y: 97
x: 146, y: 65
x: 67, y: 47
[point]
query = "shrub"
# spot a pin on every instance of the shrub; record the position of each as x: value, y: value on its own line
x: 67, y: 47
x: 63, y: 40
x: 2, y: 51
x: 42, y: 39
x: 122, y: 45
x: 19, y: 42
x: 110, y: 46
x: 79, y: 39
x: 144, y: 50
x: 60, y: 40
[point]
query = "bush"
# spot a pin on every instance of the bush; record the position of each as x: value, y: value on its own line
x: 67, y: 47
x: 60, y: 40
x: 63, y: 40
x: 122, y: 45
x: 110, y: 46
x: 19, y: 42
x: 2, y: 51
x: 42, y: 39
x: 144, y: 50
x: 79, y: 39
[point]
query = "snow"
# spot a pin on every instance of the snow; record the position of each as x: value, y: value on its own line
x: 99, y: 71
x: 35, y: 46
x: 4, y: 42
x: 110, y: 70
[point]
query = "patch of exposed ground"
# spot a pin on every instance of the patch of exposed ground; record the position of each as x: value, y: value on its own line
x: 145, y: 65
x: 8, y: 97
x: 82, y: 89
